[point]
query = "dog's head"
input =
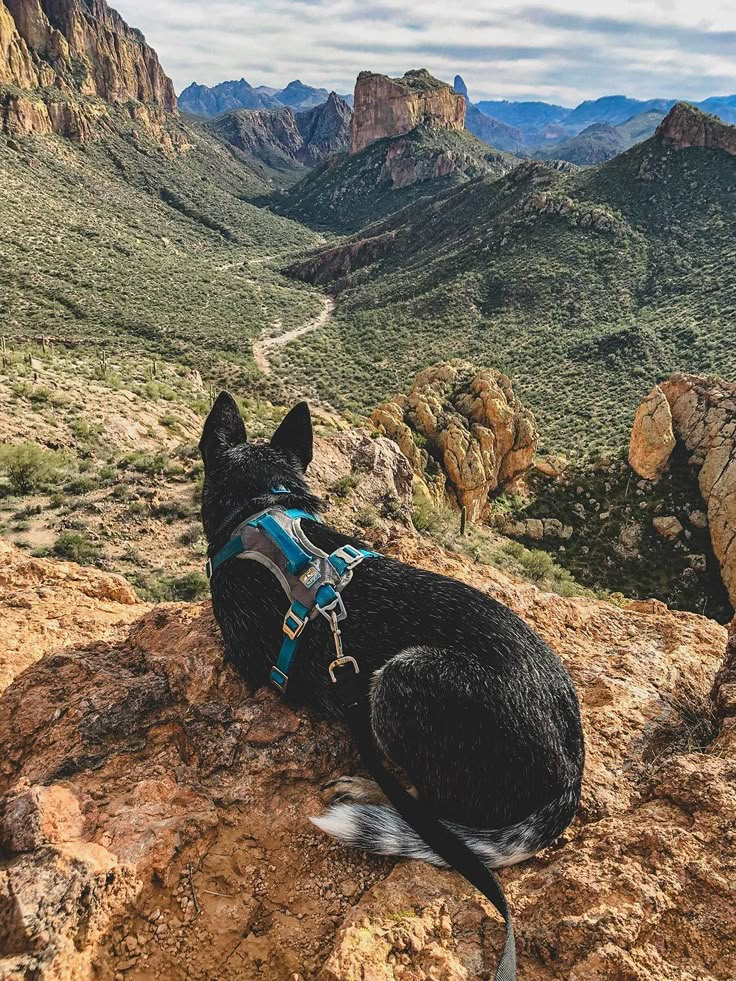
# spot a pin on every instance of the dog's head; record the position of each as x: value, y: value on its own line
x: 241, y: 478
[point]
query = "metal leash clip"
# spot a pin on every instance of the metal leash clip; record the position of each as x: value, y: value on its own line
x: 341, y: 660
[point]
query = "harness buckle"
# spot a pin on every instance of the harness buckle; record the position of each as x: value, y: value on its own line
x: 349, y: 555
x: 208, y: 568
x: 279, y: 679
x: 335, y: 609
x: 293, y: 625
x: 341, y: 662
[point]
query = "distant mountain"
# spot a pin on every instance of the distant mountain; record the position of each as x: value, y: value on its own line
x: 542, y: 123
x: 602, y: 141
x: 612, y: 109
x: 582, y: 285
x: 301, y: 96
x: 204, y: 101
x: 492, y: 131
x: 285, y: 140
x: 525, y: 115
x: 723, y: 106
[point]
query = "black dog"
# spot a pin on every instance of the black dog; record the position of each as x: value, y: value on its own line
x: 466, y: 698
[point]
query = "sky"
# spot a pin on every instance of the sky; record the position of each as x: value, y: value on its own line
x: 559, y: 51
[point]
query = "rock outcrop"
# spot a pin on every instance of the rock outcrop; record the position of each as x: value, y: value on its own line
x: 685, y: 126
x: 61, y: 52
x: 702, y: 415
x: 48, y: 605
x: 153, y: 816
x: 386, y: 106
x: 278, y: 136
x: 463, y: 430
x: 79, y: 46
x: 652, y: 438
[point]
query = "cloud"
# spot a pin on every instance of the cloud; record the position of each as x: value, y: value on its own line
x: 562, y: 51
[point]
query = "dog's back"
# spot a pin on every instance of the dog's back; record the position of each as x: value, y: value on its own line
x: 464, y: 696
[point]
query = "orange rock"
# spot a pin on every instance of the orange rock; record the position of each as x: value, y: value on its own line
x: 384, y: 106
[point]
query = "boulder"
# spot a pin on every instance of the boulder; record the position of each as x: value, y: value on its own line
x: 667, y: 527
x: 652, y: 438
x: 47, y: 605
x: 463, y: 431
x: 704, y: 419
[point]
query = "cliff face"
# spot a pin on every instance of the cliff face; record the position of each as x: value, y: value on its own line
x: 700, y: 413
x: 393, y: 106
x: 276, y: 136
x: 79, y: 48
x: 685, y: 126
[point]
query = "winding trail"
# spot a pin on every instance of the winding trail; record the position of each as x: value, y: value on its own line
x: 267, y: 343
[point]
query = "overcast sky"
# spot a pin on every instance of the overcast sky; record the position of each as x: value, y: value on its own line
x: 560, y: 50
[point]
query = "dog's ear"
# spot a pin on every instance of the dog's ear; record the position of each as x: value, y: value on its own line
x: 294, y: 435
x: 223, y: 428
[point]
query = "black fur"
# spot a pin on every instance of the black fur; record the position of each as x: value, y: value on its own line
x: 471, y: 703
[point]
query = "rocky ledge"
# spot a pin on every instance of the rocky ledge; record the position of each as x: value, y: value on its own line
x: 153, y: 809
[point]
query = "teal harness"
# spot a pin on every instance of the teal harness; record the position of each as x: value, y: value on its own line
x: 312, y: 580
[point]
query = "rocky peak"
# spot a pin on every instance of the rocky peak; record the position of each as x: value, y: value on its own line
x: 685, y: 126
x: 460, y: 86
x: 326, y: 128
x: 385, y: 107
x: 278, y: 135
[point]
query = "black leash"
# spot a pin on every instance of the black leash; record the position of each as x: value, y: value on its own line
x: 440, y: 839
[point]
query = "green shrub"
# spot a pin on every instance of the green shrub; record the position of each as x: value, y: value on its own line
x: 76, y: 547
x: 29, y: 466
x: 344, y: 486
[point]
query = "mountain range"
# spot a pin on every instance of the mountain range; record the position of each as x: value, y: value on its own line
x: 583, y: 284
x: 590, y: 133
x: 201, y: 100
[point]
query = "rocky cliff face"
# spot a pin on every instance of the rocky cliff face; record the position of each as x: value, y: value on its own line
x: 275, y: 136
x: 386, y: 106
x: 685, y: 126
x: 77, y: 48
x: 153, y: 812
x: 463, y: 431
x: 701, y: 414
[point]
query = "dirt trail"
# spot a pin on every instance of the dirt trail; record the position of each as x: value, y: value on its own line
x: 267, y: 343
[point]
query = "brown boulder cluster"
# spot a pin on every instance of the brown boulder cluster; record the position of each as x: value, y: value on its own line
x: 700, y: 413
x: 464, y: 432
x: 386, y: 106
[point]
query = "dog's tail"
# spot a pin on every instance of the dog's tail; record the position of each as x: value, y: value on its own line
x: 380, y: 828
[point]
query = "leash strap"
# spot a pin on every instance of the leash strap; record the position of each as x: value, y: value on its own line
x: 440, y: 839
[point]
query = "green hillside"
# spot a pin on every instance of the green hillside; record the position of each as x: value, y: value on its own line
x: 585, y: 287
x: 348, y: 192
x: 126, y: 243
